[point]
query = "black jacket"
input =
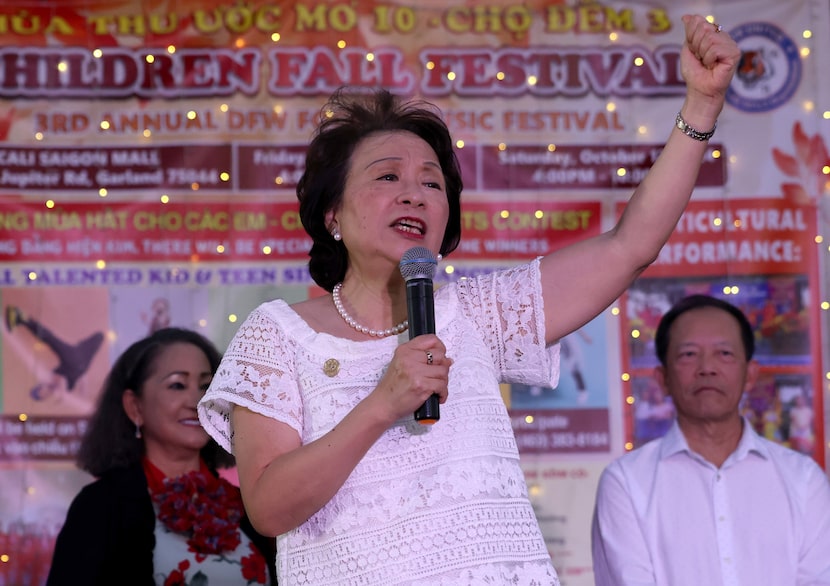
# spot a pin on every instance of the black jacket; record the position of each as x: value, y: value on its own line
x: 108, y: 537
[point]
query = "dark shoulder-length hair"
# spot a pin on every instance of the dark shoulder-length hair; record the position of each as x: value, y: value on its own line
x: 350, y: 116
x: 110, y: 439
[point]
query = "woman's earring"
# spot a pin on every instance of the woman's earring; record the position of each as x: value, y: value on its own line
x: 440, y: 257
x: 336, y: 235
x: 137, y: 431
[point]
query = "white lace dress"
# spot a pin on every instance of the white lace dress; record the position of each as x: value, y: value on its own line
x: 444, y: 504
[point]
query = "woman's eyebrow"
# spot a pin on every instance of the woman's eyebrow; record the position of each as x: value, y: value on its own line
x: 381, y: 160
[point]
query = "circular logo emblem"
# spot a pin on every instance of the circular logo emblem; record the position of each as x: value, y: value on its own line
x: 769, y: 71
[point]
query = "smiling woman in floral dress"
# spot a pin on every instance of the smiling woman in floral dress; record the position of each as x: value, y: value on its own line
x: 158, y: 514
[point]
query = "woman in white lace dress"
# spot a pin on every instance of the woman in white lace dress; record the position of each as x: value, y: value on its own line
x: 316, y: 399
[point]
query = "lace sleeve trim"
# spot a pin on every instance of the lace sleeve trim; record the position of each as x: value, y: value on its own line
x: 256, y: 372
x: 508, y: 309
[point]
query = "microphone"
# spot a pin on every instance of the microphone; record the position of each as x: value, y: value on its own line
x: 417, y: 268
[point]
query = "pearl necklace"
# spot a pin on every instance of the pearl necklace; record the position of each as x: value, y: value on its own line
x: 338, y: 304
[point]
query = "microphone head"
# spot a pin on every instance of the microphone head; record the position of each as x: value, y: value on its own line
x: 418, y: 262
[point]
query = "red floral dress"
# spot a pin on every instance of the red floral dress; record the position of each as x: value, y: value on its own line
x: 198, y: 539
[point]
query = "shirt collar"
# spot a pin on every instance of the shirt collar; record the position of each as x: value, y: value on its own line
x: 750, y: 442
x: 675, y: 442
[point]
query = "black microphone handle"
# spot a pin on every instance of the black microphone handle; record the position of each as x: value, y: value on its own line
x: 420, y: 309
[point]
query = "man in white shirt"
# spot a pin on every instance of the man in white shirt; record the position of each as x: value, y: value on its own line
x: 711, y: 502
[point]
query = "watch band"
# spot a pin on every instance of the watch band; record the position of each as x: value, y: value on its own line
x: 692, y: 132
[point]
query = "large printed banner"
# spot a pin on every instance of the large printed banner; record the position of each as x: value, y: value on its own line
x: 244, y: 169
x: 149, y: 155
x: 210, y: 232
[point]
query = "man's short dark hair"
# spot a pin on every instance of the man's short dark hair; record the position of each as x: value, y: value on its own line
x: 661, y: 338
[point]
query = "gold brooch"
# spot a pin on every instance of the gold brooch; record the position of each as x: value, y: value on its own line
x: 331, y: 367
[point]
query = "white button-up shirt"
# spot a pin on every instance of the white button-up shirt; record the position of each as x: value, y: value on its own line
x: 666, y: 516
